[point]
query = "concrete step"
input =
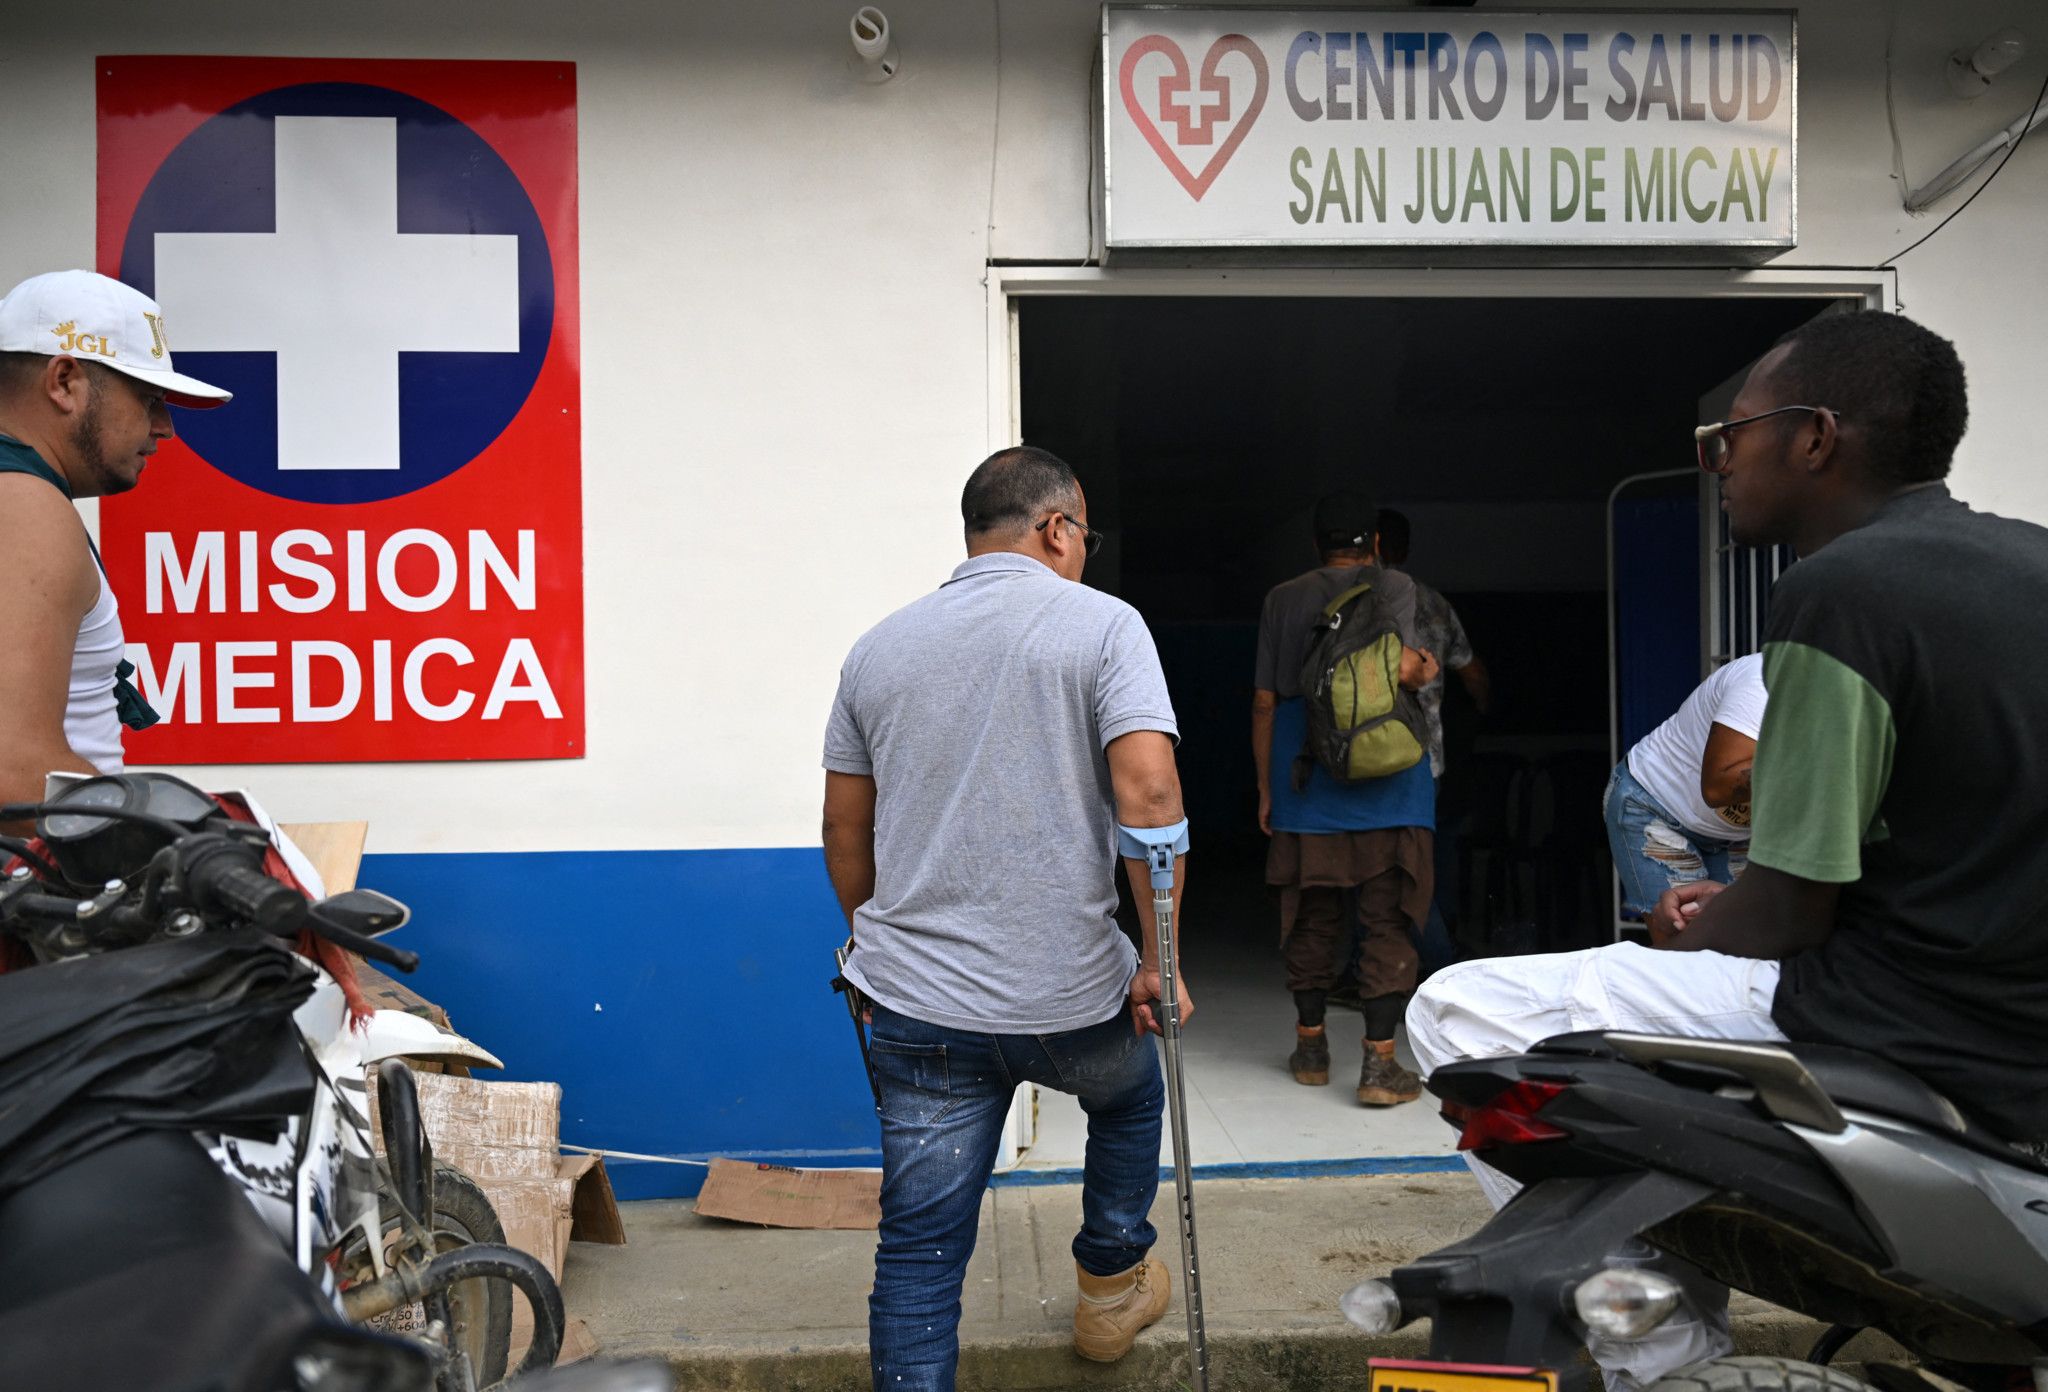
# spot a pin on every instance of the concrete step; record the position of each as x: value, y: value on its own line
x: 740, y: 1309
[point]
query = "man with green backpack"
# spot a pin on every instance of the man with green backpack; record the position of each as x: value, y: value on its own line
x: 1349, y: 801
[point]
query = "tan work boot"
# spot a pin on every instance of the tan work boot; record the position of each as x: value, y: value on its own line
x: 1383, y: 1082
x: 1310, y: 1061
x: 1112, y: 1309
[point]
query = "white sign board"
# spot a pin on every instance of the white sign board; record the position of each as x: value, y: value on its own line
x: 1431, y: 127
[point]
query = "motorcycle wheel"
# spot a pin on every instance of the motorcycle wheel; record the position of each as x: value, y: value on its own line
x: 1751, y: 1373
x: 479, y: 1312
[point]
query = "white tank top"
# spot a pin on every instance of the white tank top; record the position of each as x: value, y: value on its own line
x: 91, y: 726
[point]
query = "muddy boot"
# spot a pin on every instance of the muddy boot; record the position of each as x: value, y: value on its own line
x: 1310, y: 1061
x: 1112, y: 1309
x: 1383, y: 1082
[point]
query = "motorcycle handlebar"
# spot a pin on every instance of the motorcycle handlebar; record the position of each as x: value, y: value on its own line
x: 219, y: 875
x: 224, y: 874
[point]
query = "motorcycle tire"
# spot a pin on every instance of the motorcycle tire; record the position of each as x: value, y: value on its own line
x: 480, y: 1311
x: 1752, y: 1373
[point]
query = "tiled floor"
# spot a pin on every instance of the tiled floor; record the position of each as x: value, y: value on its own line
x: 1243, y: 1106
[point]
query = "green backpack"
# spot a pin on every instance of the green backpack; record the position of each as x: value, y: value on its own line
x: 1362, y: 723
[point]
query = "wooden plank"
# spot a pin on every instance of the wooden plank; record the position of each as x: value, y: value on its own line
x: 335, y: 848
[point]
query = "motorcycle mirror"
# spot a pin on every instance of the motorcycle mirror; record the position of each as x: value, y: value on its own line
x: 363, y: 911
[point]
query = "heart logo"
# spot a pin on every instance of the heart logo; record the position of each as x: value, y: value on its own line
x: 1193, y: 110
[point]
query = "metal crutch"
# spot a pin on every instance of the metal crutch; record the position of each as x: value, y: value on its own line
x: 1158, y: 847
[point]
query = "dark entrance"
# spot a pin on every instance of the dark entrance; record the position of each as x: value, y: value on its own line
x: 1204, y: 429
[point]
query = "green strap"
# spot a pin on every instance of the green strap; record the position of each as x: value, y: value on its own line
x: 1330, y: 609
x: 17, y: 458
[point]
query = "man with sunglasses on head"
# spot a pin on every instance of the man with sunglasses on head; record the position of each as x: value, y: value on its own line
x: 986, y: 744
x: 85, y: 386
x: 1893, y: 897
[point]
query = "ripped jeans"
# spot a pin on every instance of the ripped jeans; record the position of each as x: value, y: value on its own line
x: 1653, y: 851
x: 945, y: 1093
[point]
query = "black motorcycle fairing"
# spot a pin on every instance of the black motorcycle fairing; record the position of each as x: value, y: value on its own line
x: 1500, y: 1295
x: 142, y: 1265
x: 1623, y: 1119
x: 1779, y: 1219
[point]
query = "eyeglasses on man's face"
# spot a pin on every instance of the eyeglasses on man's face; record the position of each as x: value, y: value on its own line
x: 1091, y: 537
x: 1713, y: 443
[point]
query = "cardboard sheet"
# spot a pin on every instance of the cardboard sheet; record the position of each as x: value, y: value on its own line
x: 779, y: 1197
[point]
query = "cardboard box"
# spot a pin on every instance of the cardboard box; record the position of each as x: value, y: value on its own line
x: 578, y: 1344
x: 505, y: 1137
x: 594, y: 1213
x: 493, y: 1130
x: 779, y: 1197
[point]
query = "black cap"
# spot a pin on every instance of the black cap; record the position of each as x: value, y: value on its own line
x: 1345, y: 522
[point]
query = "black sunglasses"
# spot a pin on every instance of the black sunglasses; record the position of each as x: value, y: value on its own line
x: 1714, y: 446
x: 1091, y: 537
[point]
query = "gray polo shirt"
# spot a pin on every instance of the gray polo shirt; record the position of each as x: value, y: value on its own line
x: 982, y: 712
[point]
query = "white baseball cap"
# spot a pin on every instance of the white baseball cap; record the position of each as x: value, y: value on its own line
x: 97, y: 319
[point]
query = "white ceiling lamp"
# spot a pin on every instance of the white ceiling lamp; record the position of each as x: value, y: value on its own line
x: 1970, y: 74
x: 874, y: 43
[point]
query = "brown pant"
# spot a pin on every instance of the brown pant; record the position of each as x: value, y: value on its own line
x: 1394, y: 874
x: 1319, y: 948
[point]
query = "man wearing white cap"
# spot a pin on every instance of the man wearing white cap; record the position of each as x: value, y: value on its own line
x: 85, y: 380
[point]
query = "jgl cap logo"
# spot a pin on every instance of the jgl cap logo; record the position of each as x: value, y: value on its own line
x: 70, y: 340
x: 363, y: 271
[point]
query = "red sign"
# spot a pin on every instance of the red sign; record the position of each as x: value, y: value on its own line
x: 374, y: 552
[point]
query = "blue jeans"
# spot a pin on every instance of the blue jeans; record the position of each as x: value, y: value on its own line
x: 945, y: 1093
x: 1654, y: 852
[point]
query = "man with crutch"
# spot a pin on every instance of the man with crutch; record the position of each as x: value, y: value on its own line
x: 986, y: 746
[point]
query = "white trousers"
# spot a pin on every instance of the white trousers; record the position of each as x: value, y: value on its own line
x: 1502, y: 1005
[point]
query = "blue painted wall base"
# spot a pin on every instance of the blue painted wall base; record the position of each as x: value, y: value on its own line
x: 681, y: 998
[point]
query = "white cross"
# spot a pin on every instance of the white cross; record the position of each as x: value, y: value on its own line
x: 337, y: 292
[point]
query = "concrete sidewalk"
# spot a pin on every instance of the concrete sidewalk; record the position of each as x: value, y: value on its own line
x: 736, y: 1308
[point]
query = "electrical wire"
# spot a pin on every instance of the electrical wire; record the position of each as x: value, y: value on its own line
x: 995, y: 132
x: 14, y: 845
x: 988, y: 245
x: 1095, y: 101
x: 1891, y: 109
x: 2010, y: 151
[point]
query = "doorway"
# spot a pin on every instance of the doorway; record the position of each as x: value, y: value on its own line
x: 1204, y: 427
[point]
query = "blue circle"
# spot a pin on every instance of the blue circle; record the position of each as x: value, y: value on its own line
x: 222, y: 178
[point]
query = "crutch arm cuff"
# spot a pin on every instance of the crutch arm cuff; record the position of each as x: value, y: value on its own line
x: 1158, y: 847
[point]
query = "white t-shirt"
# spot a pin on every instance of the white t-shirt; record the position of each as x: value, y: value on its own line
x: 1667, y: 760
x: 92, y: 722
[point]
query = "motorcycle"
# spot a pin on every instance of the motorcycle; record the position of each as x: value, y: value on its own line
x: 184, y: 1130
x: 1820, y: 1178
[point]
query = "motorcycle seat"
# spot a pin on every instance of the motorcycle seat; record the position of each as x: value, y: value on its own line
x: 1870, y: 1084
x: 1859, y: 1081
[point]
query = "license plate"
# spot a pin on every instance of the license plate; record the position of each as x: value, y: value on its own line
x: 1401, y: 1375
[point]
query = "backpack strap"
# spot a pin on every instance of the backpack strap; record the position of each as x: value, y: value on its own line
x: 1331, y: 609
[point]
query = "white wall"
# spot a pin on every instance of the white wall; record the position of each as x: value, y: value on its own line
x: 799, y: 262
